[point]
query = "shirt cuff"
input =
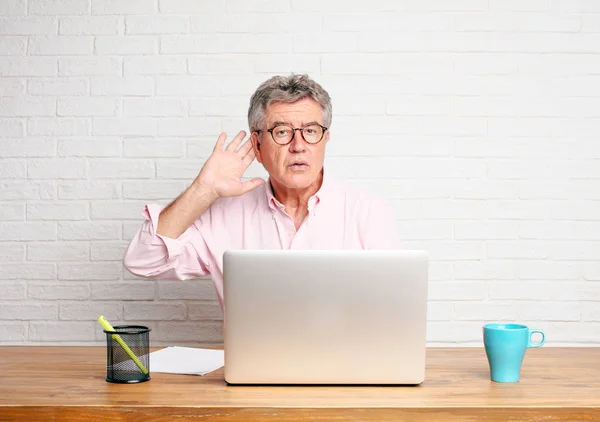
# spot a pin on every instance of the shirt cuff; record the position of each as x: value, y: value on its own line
x: 149, y: 236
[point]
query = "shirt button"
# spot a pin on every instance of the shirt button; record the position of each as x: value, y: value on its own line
x: 290, y: 233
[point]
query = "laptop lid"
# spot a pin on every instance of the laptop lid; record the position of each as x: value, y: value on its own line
x: 325, y: 317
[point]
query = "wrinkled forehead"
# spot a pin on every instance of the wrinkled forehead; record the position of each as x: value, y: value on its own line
x: 298, y: 113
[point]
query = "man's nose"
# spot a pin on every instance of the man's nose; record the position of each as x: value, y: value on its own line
x: 297, y: 143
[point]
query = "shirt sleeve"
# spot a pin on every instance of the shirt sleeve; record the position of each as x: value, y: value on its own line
x: 379, y: 227
x: 152, y: 255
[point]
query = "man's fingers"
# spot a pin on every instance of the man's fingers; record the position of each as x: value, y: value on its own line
x: 248, y: 185
x: 247, y: 146
x: 220, y: 142
x: 235, y: 142
x: 248, y: 158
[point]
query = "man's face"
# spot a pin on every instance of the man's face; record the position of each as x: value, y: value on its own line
x: 297, y: 164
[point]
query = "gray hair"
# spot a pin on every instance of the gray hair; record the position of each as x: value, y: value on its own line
x: 287, y: 89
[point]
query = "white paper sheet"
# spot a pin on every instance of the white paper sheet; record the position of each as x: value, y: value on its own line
x: 186, y: 360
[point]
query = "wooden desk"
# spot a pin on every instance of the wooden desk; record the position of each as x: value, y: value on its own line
x: 67, y: 383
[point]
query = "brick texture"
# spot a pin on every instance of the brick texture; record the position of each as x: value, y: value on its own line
x: 477, y: 120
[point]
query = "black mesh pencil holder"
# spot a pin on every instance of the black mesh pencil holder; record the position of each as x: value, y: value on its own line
x: 127, y: 354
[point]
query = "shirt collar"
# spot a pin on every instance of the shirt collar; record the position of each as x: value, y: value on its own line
x: 323, y: 194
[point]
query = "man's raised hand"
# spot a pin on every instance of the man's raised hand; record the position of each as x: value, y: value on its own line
x: 223, y: 171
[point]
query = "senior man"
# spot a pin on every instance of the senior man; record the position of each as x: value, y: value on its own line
x: 299, y: 207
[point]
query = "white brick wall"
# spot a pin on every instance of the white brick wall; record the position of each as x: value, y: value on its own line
x: 477, y: 120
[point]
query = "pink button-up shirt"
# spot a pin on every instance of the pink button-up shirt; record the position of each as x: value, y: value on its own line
x: 339, y: 217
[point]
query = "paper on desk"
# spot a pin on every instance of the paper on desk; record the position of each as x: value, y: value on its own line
x: 186, y: 360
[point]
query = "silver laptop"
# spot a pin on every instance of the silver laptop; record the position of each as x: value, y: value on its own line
x: 325, y: 317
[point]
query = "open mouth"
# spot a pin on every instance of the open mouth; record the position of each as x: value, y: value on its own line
x: 299, y: 165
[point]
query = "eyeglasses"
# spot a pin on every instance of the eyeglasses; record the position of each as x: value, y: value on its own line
x: 284, y: 134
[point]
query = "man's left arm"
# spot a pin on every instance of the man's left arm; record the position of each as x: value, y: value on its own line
x: 379, y: 228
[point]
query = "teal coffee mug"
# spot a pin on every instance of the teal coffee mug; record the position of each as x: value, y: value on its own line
x: 505, y: 346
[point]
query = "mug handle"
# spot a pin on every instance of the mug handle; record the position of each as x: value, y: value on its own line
x: 538, y: 344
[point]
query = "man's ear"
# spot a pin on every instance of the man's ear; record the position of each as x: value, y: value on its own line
x: 256, y: 146
x: 327, y: 133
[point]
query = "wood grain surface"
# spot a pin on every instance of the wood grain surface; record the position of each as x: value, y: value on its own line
x: 68, y: 383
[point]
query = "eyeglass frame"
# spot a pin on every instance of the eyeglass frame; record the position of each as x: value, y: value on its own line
x: 294, y: 129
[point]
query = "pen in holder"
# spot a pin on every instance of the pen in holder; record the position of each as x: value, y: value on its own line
x: 127, y: 352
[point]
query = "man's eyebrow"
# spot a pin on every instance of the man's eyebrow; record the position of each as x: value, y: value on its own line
x: 278, y: 123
